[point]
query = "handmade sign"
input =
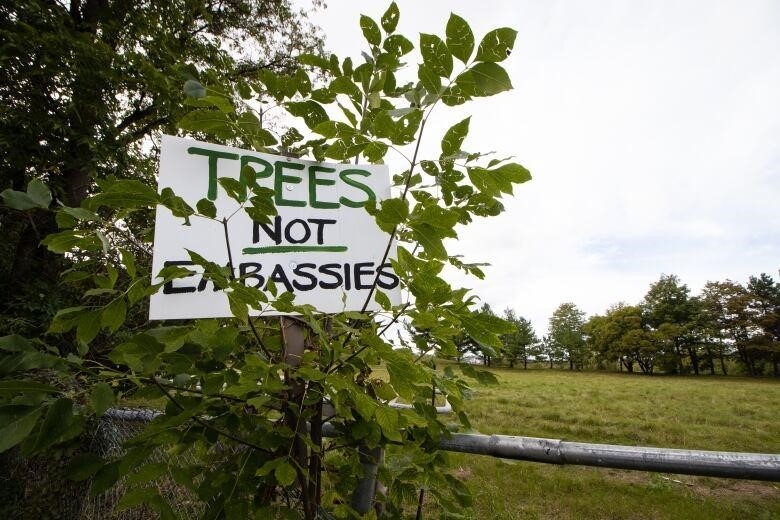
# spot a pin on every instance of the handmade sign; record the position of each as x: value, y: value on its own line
x: 322, y: 246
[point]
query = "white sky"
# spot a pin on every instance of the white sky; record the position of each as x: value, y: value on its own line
x: 652, y: 130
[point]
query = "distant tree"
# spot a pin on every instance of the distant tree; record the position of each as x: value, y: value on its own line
x: 566, y: 334
x: 518, y: 344
x: 670, y: 314
x: 764, y: 311
x: 725, y: 321
x: 621, y: 336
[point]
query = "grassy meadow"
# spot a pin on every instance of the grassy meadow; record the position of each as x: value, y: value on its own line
x: 709, y: 413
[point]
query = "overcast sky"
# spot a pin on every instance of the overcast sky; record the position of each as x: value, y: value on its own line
x: 652, y: 130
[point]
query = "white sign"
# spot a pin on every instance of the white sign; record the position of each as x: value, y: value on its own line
x: 323, y: 246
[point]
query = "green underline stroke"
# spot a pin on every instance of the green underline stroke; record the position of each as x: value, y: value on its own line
x: 294, y: 249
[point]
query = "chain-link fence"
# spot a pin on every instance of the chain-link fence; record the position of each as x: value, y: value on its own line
x: 39, y: 487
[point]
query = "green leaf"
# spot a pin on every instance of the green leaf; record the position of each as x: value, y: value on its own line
x: 177, y: 205
x: 485, y: 329
x: 460, y: 39
x: 453, y: 139
x: 39, y: 193
x: 83, y: 466
x: 514, y: 172
x: 500, y: 180
x: 214, y: 122
x: 64, y: 221
x: 429, y: 238
x: 285, y: 473
x: 148, y: 472
x: 17, y: 200
x: 11, y: 387
x: 17, y: 429
x: 462, y: 90
x: 128, y: 260
x: 483, y: 376
x: 15, y: 343
x: 134, y: 498
x: 346, y: 148
x: 496, y: 45
x: 332, y: 129
x: 429, y: 79
x: 314, y: 60
x: 234, y: 188
x: 105, y: 478
x: 382, y: 299
x: 250, y: 125
x: 375, y: 151
x: 370, y: 30
x: 390, y: 18
x: 392, y: 212
x: 102, y: 398
x: 345, y: 85
x: 56, y: 426
x: 311, y: 112
x: 406, y: 127
x: 387, y: 419
x: 193, y: 88
x: 221, y: 102
x: 435, y: 54
x: 383, y: 125
x: 65, y: 319
x: 206, y: 208
x: 490, y: 79
x: 81, y: 214
x: 291, y: 136
x: 397, y: 45
x: 238, y: 307
x: 37, y: 196
x: 125, y: 194
x: 88, y: 326
x: 67, y: 241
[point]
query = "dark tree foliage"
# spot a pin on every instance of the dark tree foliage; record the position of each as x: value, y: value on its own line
x: 670, y: 313
x: 566, y: 334
x: 518, y: 343
x: 726, y: 324
x: 85, y: 88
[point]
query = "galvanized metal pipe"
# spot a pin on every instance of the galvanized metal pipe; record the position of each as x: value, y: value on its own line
x: 728, y: 464
x: 753, y: 466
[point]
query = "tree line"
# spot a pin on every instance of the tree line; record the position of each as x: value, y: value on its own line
x: 727, y: 328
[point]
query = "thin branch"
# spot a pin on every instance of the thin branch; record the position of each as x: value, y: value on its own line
x: 137, y: 115
x: 200, y: 392
x: 208, y: 426
x: 395, y: 318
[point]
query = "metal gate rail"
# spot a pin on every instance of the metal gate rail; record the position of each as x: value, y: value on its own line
x: 728, y: 464
x: 752, y: 466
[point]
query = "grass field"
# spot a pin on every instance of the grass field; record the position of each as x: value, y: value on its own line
x: 711, y: 413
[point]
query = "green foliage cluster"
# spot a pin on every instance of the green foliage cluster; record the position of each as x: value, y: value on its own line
x: 252, y: 399
x: 87, y: 87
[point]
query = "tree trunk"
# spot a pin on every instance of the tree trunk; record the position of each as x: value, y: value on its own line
x: 694, y: 359
x: 679, y: 353
x: 711, y: 359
